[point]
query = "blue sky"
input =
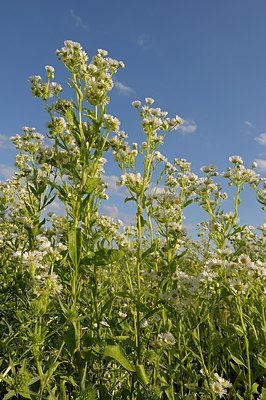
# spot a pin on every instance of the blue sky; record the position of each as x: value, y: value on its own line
x: 202, y: 59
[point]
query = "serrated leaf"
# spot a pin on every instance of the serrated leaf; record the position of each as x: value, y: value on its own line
x: 24, y: 394
x: 116, y: 352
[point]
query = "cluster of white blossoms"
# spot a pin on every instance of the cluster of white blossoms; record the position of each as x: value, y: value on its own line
x: 30, y: 141
x: 240, y: 175
x: 98, y: 77
x: 219, y: 386
x: 72, y: 55
x: 44, y: 90
x: 37, y: 262
x: 57, y: 126
x: 134, y: 182
x: 154, y: 119
x: 123, y: 154
x: 111, y: 229
x: 112, y: 123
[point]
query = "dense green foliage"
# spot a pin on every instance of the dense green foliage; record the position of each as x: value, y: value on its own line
x: 92, y: 308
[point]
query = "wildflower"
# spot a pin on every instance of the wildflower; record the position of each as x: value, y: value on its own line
x: 72, y: 55
x: 244, y: 261
x: 122, y: 314
x: 102, y: 52
x: 236, y: 160
x: 144, y: 323
x: 219, y: 385
x: 208, y: 169
x: 149, y: 100
x: 49, y: 72
x: 166, y: 339
x: 238, y: 287
x: 62, y: 247
x: 136, y: 103
x: 112, y: 123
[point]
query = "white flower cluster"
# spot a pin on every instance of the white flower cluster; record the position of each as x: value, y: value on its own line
x: 154, y: 119
x: 240, y: 175
x: 134, y: 182
x: 112, y: 123
x: 44, y: 90
x: 98, y: 77
x: 72, y: 55
x: 219, y: 386
x: 37, y: 264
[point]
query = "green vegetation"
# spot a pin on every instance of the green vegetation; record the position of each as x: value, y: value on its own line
x: 95, y: 309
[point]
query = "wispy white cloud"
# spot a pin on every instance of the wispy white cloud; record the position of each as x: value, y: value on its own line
x: 188, y: 127
x: 113, y: 188
x: 6, y: 171
x: 261, y: 139
x: 78, y: 21
x: 261, y: 165
x: 114, y: 212
x: 5, y: 142
x: 249, y: 124
x: 56, y: 206
x: 142, y: 40
x: 110, y: 211
x: 123, y: 89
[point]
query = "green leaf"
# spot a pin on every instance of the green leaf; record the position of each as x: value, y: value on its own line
x: 187, y: 203
x: 141, y: 374
x: 70, y: 340
x: 24, y: 394
x: 60, y: 189
x: 91, y: 185
x: 74, y: 244
x: 116, y: 352
x: 103, y: 257
x: 50, y: 201
x: 127, y: 199
x: 254, y: 388
x: 261, y: 362
x: 150, y: 250
x: 9, y: 395
x: 237, y: 360
x: 239, y: 330
x: 143, y: 221
x: 263, y: 394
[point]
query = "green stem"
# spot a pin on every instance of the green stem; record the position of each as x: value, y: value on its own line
x: 246, y: 344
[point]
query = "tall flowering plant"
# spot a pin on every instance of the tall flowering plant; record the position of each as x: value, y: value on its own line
x: 102, y: 310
